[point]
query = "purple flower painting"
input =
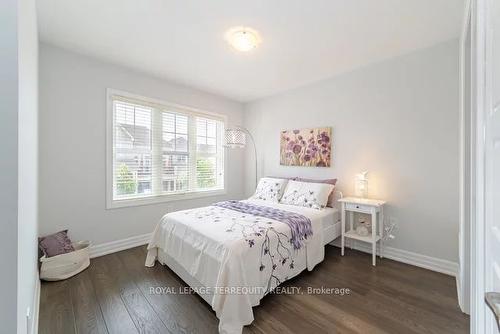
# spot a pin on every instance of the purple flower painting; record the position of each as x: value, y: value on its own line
x: 306, y: 147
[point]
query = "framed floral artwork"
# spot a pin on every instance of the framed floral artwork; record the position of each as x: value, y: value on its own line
x: 306, y: 147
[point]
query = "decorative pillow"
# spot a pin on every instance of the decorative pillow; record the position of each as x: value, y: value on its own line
x: 294, y: 178
x: 331, y: 198
x: 56, y: 244
x: 310, y: 195
x: 270, y: 189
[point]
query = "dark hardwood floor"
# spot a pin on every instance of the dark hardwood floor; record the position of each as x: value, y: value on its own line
x: 113, y: 296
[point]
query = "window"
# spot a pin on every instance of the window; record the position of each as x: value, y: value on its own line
x: 159, y: 152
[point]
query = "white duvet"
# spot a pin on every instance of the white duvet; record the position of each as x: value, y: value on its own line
x: 238, y: 257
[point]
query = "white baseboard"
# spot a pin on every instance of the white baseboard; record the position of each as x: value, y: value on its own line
x: 415, y: 259
x: 119, y: 245
x: 36, y: 306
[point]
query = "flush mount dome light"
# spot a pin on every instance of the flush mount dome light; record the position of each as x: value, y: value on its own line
x: 243, y: 38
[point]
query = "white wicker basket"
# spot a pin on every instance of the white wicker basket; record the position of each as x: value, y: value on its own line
x: 59, y: 267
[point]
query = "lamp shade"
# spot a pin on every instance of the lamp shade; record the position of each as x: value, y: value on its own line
x: 235, y: 138
x: 361, y: 184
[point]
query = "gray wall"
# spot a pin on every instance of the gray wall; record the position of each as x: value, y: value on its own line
x: 18, y: 163
x: 72, y: 146
x: 8, y: 164
x: 398, y: 119
x: 468, y: 124
x: 28, y: 164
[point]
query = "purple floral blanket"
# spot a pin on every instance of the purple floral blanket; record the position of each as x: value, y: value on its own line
x: 300, y: 225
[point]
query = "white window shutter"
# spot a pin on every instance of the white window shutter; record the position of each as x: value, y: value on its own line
x: 160, y: 150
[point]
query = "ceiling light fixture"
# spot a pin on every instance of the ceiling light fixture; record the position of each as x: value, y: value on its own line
x: 243, y: 39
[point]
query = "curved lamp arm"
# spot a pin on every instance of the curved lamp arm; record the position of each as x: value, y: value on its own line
x: 246, y: 132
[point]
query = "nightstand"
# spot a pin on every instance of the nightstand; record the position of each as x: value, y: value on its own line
x: 375, y: 208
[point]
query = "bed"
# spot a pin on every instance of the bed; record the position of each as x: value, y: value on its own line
x: 234, y: 253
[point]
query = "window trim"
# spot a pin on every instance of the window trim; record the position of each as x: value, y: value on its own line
x: 154, y: 199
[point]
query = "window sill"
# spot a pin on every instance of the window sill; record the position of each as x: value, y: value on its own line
x: 123, y: 203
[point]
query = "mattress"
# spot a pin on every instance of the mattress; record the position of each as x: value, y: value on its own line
x: 331, y: 224
x: 333, y: 216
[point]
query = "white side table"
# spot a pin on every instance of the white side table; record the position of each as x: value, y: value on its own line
x: 368, y: 206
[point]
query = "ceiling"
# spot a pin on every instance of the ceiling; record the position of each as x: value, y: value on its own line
x: 302, y: 41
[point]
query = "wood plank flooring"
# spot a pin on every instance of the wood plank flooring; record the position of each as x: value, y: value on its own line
x: 113, y: 296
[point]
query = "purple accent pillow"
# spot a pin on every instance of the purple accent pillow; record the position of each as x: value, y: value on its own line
x: 329, y: 181
x: 56, y: 244
x: 331, y: 197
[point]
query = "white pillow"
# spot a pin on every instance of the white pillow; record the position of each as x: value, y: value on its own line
x: 269, y: 189
x: 310, y: 195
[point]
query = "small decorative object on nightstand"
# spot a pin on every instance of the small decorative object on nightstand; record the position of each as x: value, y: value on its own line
x: 367, y: 206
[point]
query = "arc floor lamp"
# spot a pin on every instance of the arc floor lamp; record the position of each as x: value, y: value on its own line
x: 235, y: 137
